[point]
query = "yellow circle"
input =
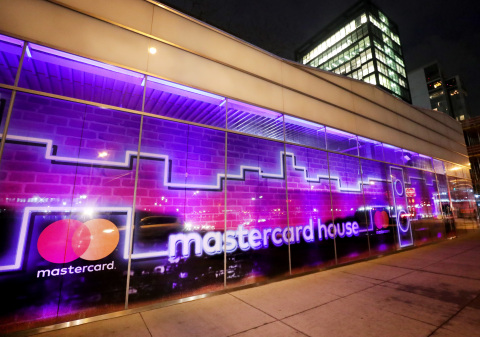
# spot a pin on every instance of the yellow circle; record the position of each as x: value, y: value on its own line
x: 103, y: 240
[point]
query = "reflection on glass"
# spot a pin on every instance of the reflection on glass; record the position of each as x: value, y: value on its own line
x: 341, y: 141
x: 393, y: 154
x: 421, y: 193
x: 370, y: 149
x: 463, y: 205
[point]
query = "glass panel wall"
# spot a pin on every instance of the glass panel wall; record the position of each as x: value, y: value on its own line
x: 213, y: 201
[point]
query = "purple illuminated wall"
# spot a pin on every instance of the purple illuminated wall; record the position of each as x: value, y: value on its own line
x: 203, y: 193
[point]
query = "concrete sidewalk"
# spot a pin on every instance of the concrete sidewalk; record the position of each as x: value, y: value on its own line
x: 429, y: 291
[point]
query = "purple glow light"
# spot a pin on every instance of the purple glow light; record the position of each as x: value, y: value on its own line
x: 11, y: 40
x: 83, y: 64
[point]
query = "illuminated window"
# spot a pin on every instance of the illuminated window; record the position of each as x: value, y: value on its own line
x: 363, y: 18
x: 454, y: 92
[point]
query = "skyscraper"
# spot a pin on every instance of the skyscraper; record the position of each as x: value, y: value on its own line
x: 431, y: 89
x: 362, y: 43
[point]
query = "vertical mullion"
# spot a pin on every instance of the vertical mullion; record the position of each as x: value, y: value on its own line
x: 132, y: 227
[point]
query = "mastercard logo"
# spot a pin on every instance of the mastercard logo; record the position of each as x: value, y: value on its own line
x: 67, y: 240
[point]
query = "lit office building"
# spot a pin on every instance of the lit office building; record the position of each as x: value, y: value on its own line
x: 147, y: 157
x: 362, y: 43
x: 431, y: 89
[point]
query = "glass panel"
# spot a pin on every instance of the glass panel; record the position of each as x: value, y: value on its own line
x: 422, y: 208
x: 309, y: 205
x: 438, y: 166
x: 60, y: 73
x: 463, y: 203
x: 340, y: 141
x: 379, y: 207
x: 409, y: 158
x: 67, y: 178
x: 393, y: 154
x: 446, y: 208
x: 181, y: 102
x: 304, y: 132
x: 257, y: 231
x: 414, y: 159
x: 249, y: 119
x: 399, y: 197
x: 179, y: 222
x: 466, y: 173
x: 424, y: 162
x: 5, y: 96
x: 350, y: 222
x: 454, y: 170
x: 370, y: 148
x: 11, y: 52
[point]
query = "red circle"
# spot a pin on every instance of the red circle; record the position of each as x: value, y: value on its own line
x: 381, y: 219
x: 56, y: 242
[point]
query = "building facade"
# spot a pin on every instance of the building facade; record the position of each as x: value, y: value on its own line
x: 144, y: 161
x: 471, y: 130
x: 431, y: 89
x: 362, y: 43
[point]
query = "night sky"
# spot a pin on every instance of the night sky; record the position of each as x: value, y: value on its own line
x: 446, y: 31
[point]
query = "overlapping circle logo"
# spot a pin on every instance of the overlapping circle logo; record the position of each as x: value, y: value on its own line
x: 67, y: 240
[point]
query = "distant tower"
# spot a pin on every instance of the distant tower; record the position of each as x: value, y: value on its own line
x: 432, y: 90
x: 362, y: 43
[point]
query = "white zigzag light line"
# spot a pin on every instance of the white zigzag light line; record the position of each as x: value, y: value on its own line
x: 217, y: 186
